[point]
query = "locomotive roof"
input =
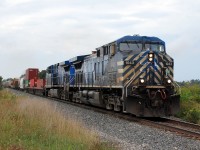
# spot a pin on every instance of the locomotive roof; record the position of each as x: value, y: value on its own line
x: 77, y: 58
x: 64, y: 63
x: 69, y: 62
x: 136, y: 38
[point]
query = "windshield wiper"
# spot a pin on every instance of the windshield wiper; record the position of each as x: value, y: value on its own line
x: 137, y: 44
x: 128, y: 45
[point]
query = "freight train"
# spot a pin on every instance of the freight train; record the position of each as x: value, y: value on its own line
x: 133, y: 74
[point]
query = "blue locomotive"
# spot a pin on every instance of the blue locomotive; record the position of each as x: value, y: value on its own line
x: 133, y: 74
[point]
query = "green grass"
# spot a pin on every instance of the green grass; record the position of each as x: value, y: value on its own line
x: 190, y: 103
x: 32, y: 124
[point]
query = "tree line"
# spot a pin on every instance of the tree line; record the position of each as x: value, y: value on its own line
x: 189, y: 83
x: 1, y: 78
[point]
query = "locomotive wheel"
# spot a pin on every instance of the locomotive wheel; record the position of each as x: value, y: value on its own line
x: 109, y: 106
x: 117, y: 108
x: 78, y: 100
x: 70, y: 97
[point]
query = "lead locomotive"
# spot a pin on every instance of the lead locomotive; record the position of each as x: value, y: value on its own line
x: 133, y: 74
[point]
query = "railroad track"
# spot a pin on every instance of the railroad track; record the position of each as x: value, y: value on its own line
x: 185, y: 129
x: 182, y: 128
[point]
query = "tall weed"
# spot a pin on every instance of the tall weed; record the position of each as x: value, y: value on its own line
x: 190, y: 103
x: 35, y: 124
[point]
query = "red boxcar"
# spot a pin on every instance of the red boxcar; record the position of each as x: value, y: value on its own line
x: 31, y: 73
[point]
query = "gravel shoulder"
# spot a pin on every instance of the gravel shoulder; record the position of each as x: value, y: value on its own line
x: 124, y: 134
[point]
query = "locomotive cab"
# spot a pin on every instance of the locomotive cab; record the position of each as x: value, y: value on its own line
x: 139, y: 74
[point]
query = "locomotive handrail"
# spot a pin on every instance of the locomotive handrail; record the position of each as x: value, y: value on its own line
x: 128, y: 84
x: 178, y: 87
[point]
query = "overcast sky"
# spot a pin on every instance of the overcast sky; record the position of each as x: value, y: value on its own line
x: 38, y: 33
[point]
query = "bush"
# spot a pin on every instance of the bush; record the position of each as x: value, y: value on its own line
x: 190, y: 93
x: 190, y: 103
x: 1, y: 82
x: 193, y: 116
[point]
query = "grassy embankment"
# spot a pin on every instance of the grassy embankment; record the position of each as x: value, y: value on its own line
x: 32, y: 124
x: 190, y: 103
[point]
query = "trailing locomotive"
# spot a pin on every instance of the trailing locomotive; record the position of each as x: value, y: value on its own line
x: 133, y: 74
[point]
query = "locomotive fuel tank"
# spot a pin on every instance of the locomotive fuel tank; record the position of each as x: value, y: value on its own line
x: 95, y: 98
x: 92, y: 97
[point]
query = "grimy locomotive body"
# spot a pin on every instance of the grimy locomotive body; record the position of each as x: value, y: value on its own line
x: 133, y: 74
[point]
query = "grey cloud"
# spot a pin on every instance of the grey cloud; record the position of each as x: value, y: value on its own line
x: 50, y: 31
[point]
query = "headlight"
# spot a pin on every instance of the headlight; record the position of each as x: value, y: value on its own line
x: 169, y: 81
x: 150, y: 57
x: 142, y: 80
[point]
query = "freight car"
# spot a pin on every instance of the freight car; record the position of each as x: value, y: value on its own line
x: 133, y: 74
x: 7, y: 83
x: 30, y: 82
x: 14, y: 83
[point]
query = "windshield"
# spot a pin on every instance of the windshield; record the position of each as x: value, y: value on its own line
x: 130, y: 46
x: 155, y: 47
